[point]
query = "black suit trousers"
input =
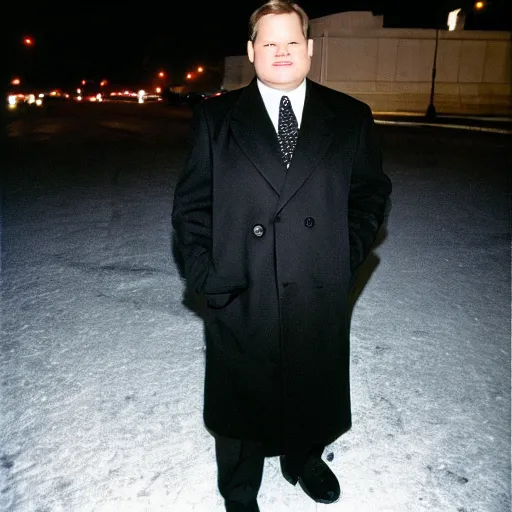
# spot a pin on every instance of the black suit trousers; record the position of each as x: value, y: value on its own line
x: 240, y: 467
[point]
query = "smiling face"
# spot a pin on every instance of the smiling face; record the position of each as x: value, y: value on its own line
x: 281, y: 54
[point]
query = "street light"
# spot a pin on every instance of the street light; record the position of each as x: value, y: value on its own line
x: 28, y: 41
x: 16, y: 81
x: 189, y: 76
x: 200, y: 69
x: 431, y: 113
x: 161, y: 74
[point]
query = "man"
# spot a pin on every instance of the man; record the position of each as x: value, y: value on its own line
x: 271, y: 228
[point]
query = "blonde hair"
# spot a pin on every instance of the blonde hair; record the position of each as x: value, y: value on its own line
x: 277, y: 7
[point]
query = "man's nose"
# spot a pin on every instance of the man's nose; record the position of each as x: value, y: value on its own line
x: 281, y: 50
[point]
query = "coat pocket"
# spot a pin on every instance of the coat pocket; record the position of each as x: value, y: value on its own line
x: 220, y: 290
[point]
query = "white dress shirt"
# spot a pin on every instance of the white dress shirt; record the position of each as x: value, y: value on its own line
x: 272, y: 98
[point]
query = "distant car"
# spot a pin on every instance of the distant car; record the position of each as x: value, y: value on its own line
x: 175, y: 99
x: 54, y: 97
x: 148, y: 97
x: 193, y: 98
x: 22, y: 99
x: 89, y: 91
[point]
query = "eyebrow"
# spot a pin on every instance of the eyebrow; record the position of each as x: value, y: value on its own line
x: 267, y: 41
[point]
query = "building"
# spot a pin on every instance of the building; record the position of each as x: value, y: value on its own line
x: 391, y: 69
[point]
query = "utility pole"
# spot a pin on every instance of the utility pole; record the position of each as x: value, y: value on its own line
x: 431, y: 113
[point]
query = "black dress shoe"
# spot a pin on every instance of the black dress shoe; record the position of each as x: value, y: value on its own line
x: 236, y: 506
x: 315, y: 478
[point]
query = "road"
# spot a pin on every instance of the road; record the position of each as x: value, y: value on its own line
x: 102, y: 362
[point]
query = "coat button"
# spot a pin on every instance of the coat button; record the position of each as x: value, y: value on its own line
x: 309, y: 222
x: 258, y: 230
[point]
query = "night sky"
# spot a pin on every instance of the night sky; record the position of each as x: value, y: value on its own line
x: 128, y: 43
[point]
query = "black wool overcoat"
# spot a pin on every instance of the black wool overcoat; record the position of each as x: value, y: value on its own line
x: 273, y: 250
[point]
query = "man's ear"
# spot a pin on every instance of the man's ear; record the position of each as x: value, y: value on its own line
x: 310, y: 47
x: 250, y: 51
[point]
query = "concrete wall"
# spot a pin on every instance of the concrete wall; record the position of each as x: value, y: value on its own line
x: 391, y: 69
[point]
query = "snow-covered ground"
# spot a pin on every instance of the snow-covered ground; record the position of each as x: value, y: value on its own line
x: 102, y: 362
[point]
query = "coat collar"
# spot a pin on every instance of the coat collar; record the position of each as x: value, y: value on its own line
x: 256, y: 135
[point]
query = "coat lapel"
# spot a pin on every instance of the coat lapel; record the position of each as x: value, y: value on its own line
x: 315, y: 136
x: 254, y: 132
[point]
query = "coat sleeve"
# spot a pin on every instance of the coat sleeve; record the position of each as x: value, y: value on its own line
x: 370, y: 188
x: 192, y: 207
x: 192, y: 220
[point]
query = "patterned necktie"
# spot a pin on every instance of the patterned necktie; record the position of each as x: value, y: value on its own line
x: 288, y: 130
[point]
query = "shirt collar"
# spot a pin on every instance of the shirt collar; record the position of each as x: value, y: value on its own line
x: 272, y: 97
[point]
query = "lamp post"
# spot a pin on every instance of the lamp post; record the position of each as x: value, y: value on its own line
x: 431, y: 113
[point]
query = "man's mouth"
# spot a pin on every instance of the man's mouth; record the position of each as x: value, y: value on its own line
x: 283, y: 63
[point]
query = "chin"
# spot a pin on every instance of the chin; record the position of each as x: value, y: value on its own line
x: 284, y: 78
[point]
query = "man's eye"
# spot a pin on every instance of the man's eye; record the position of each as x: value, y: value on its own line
x: 269, y: 44
x: 294, y: 42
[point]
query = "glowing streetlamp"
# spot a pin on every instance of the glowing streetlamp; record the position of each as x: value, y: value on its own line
x: 28, y: 41
x: 454, y: 20
x: 200, y: 69
x: 189, y: 76
x: 479, y: 6
x: 15, y: 81
x: 161, y: 74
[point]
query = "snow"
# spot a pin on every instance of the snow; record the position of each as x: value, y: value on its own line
x: 102, y: 361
